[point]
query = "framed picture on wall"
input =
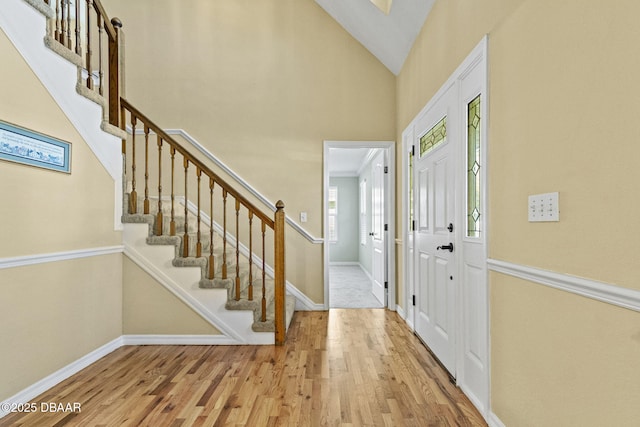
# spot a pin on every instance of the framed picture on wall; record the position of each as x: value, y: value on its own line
x: 20, y: 145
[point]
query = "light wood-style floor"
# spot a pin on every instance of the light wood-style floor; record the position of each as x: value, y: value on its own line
x: 339, y: 368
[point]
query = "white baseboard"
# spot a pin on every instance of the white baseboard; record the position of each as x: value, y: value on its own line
x: 401, y: 313
x: 303, y: 303
x: 494, y: 421
x: 177, y: 340
x: 60, y: 375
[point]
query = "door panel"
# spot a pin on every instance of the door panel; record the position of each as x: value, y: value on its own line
x: 379, y: 237
x: 434, y: 191
x: 440, y: 187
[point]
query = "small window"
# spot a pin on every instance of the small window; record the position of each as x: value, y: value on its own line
x: 333, y: 214
x: 474, y: 203
x: 363, y: 212
x: 436, y: 136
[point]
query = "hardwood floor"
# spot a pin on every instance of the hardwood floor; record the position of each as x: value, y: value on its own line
x: 338, y: 368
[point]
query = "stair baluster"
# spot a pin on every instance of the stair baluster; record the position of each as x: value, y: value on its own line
x: 211, y: 259
x: 68, y: 2
x: 172, y: 224
x: 263, y: 316
x: 250, y: 291
x: 56, y: 34
x: 78, y: 29
x: 185, y: 239
x: 237, y: 250
x: 224, y: 233
x: 88, y: 64
x: 159, y: 218
x: 199, y: 243
x: 100, y: 76
x: 63, y: 22
x: 133, y: 200
x: 146, y: 170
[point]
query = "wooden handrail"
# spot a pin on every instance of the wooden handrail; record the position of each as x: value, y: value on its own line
x: 197, y: 163
x: 90, y: 51
x: 190, y: 162
x: 108, y: 26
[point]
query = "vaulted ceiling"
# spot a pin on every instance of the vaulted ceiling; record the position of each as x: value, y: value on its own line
x: 389, y: 37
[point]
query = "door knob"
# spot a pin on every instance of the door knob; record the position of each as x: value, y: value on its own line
x: 448, y: 247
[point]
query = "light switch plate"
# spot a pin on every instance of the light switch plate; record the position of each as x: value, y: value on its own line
x: 544, y: 207
x: 303, y: 217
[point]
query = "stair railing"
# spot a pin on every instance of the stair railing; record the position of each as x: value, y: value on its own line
x: 164, y: 162
x: 80, y: 26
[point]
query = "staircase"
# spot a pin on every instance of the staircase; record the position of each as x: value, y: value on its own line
x: 224, y: 256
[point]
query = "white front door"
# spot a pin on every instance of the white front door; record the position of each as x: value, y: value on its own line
x: 378, y: 229
x: 434, y: 251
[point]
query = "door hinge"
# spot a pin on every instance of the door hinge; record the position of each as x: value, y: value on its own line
x: 386, y: 227
x: 413, y: 225
x: 386, y: 169
x: 413, y: 150
x: 386, y: 285
x: 414, y: 299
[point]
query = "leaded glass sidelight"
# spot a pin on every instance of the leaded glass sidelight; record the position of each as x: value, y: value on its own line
x: 436, y: 136
x: 473, y: 168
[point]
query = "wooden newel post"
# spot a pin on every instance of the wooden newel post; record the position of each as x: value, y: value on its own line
x: 280, y: 315
x: 114, y: 73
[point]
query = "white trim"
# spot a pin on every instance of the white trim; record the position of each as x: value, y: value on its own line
x: 401, y: 312
x: 177, y: 340
x: 494, y: 421
x: 600, y: 291
x: 303, y: 303
x: 21, y: 261
x: 237, y: 178
x: 191, y: 302
x: 62, y: 374
x: 389, y: 148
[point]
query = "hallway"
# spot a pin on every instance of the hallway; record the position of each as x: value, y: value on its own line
x: 350, y: 288
x: 342, y: 367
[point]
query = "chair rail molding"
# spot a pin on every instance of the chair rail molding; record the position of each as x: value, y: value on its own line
x: 21, y: 261
x: 600, y: 291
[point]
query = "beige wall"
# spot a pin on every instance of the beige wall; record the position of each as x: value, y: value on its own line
x: 52, y: 313
x: 562, y: 360
x: 57, y: 211
x: 562, y: 114
x: 149, y: 308
x: 261, y: 84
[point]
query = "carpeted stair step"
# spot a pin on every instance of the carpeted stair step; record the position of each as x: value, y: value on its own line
x: 268, y: 325
x: 243, y: 303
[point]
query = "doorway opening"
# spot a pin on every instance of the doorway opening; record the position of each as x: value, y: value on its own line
x: 359, y: 268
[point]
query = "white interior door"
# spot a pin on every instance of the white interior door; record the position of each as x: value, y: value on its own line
x: 378, y: 232
x: 434, y: 250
